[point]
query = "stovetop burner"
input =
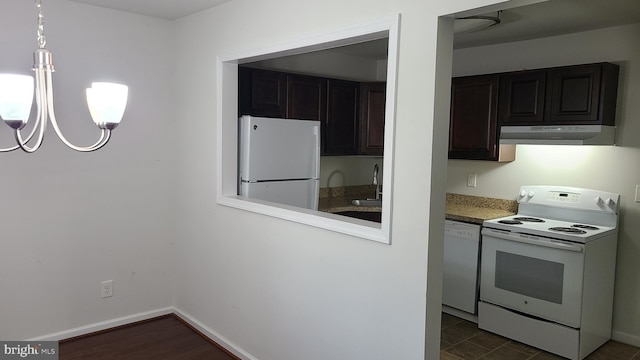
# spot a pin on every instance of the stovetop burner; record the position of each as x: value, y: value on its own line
x: 585, y: 227
x: 510, y: 222
x: 572, y: 230
x: 528, y: 219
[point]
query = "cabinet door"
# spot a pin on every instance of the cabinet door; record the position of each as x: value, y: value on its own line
x: 583, y: 94
x: 574, y: 94
x: 372, y: 106
x: 341, y: 127
x: 244, y: 91
x: 473, y: 130
x: 522, y: 97
x: 306, y: 97
x: 261, y: 92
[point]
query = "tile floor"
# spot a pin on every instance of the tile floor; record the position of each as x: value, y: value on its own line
x: 462, y: 340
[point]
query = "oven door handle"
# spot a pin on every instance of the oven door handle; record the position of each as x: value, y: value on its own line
x: 533, y: 240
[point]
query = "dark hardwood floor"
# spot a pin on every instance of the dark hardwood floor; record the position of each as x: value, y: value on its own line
x: 166, y: 337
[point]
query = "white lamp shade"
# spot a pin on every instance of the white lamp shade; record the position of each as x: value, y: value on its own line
x: 16, y: 97
x: 107, y: 102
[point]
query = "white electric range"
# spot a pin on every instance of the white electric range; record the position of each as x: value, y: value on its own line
x: 547, y: 273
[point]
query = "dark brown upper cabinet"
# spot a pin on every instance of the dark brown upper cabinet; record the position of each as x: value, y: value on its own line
x: 473, y: 128
x: 341, y: 127
x: 372, y: 111
x: 579, y: 94
x: 261, y: 92
x: 568, y: 95
x: 522, y: 97
x: 583, y: 95
x: 306, y: 97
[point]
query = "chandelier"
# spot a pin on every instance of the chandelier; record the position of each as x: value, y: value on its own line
x: 106, y: 101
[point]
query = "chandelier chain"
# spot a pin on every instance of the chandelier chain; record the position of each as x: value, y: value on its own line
x: 42, y: 40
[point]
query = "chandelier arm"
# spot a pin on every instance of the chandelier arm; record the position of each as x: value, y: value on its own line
x: 33, y: 131
x: 40, y: 119
x: 23, y: 144
x: 40, y: 122
x: 104, y: 137
x: 10, y: 149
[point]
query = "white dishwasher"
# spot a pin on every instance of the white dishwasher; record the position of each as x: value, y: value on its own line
x: 460, y: 267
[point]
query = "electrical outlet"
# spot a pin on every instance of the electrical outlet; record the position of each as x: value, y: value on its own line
x: 107, y: 288
x: 471, y: 180
x: 637, y: 193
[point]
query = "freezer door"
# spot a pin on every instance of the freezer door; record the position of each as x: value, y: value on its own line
x: 300, y: 193
x: 273, y: 149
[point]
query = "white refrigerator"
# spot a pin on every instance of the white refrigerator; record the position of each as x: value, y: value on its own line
x: 279, y: 160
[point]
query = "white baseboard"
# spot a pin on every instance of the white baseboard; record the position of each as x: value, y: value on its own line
x: 103, y: 325
x: 213, y: 335
x: 108, y: 324
x: 626, y: 338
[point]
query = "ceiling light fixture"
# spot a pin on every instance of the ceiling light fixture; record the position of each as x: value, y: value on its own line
x: 475, y: 23
x: 106, y: 101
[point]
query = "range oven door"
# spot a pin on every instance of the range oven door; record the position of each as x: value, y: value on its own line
x: 537, y: 276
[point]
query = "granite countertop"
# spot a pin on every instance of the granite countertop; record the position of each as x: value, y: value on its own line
x: 475, y: 209
x: 466, y: 208
x: 338, y: 199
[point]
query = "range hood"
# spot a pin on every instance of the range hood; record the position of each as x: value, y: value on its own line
x: 558, y: 135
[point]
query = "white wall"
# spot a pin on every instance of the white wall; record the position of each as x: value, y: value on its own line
x: 609, y: 168
x: 70, y: 220
x: 349, y: 170
x: 282, y: 290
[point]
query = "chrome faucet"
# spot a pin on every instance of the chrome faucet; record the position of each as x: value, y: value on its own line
x: 376, y: 182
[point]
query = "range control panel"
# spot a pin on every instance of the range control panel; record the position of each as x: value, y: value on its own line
x: 563, y: 196
x: 569, y: 198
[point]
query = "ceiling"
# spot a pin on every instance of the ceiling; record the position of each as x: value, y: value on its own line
x: 166, y: 9
x: 553, y: 17
x: 548, y: 18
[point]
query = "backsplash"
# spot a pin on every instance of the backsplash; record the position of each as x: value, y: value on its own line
x: 363, y: 191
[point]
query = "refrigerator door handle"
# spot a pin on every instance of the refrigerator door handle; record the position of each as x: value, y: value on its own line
x: 316, y: 159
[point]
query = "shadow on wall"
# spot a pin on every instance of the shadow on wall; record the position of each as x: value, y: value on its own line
x: 338, y: 182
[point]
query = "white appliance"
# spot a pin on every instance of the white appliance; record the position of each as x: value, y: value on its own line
x: 547, y: 273
x: 279, y: 160
x: 460, y: 269
x: 558, y: 135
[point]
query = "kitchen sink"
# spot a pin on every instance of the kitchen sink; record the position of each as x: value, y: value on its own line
x: 367, y: 202
x: 374, y: 216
